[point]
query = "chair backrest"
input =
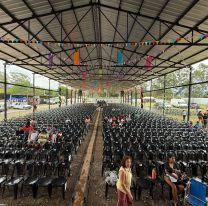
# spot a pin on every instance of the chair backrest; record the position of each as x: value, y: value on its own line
x: 198, y: 193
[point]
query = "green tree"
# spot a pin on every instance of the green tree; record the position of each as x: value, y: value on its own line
x: 20, y: 79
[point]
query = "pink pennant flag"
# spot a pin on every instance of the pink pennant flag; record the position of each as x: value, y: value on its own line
x: 84, y: 75
x: 148, y: 62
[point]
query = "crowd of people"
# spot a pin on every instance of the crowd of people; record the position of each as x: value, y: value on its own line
x: 118, y: 120
x: 201, y: 122
x: 34, y: 136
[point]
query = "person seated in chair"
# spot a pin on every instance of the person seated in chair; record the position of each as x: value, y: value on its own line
x: 43, y: 137
x: 33, y: 135
x: 174, y: 178
x: 198, y: 125
x: 27, y: 128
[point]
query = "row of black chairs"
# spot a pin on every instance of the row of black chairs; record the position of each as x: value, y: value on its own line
x: 23, y: 164
x: 148, y: 138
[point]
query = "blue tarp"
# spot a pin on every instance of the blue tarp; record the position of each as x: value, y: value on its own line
x: 16, y: 98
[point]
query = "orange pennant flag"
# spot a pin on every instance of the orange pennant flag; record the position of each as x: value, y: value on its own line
x: 76, y: 58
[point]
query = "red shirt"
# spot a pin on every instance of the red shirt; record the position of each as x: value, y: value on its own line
x: 27, y: 129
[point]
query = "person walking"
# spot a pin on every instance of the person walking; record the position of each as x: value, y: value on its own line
x: 184, y: 115
x: 124, y: 183
x: 205, y: 116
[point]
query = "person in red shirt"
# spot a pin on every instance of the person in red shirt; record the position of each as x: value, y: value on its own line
x: 27, y: 128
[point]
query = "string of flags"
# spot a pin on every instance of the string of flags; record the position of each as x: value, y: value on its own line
x: 76, y: 60
x: 127, y: 44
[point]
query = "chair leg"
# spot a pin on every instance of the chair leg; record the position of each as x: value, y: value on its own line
x: 106, y: 190
x: 15, y: 191
x: 102, y: 170
x: 139, y: 192
x: 135, y: 191
x: 35, y: 190
x: 170, y: 193
x: 3, y: 190
x: 162, y: 186
x: 63, y: 192
x: 21, y: 190
x: 151, y: 191
x: 49, y: 190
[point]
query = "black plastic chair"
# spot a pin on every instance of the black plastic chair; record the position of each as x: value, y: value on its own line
x: 61, y: 179
x: 46, y: 180
x: 16, y: 179
x: 34, y: 170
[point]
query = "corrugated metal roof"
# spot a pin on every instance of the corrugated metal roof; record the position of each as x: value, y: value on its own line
x: 106, y: 21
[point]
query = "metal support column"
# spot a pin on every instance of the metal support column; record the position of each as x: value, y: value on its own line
x: 75, y: 96
x: 128, y: 97
x: 135, y: 91
x: 66, y: 96
x: 5, y: 92
x: 131, y: 97
x: 164, y: 97
x: 189, y: 95
x: 59, y: 94
x: 33, y: 94
x: 49, y: 101
x: 71, y: 96
x: 151, y: 96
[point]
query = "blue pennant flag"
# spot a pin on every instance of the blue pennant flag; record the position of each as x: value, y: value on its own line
x: 119, y: 58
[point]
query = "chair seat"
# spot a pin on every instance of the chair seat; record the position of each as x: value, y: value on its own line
x: 44, y: 181
x: 31, y: 180
x: 60, y: 181
x: 2, y: 179
x: 160, y: 162
x: 13, y: 181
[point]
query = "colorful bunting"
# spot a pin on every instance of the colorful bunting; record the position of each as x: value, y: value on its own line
x: 128, y: 44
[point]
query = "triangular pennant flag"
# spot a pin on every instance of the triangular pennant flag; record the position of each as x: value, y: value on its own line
x: 84, y: 75
x: 50, y: 59
x: 76, y: 58
x: 148, y: 62
x: 119, y: 58
x: 100, y: 72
